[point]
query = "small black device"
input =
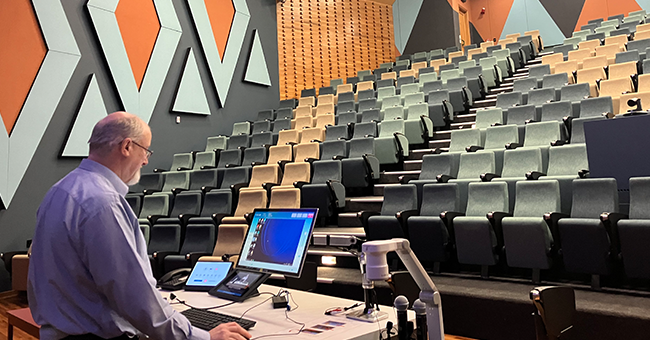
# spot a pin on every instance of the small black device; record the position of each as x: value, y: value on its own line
x: 276, y: 242
x: 208, y: 320
x: 175, y: 279
x: 279, y: 302
x: 401, y: 304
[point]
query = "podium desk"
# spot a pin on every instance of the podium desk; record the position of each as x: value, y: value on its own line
x: 311, y: 309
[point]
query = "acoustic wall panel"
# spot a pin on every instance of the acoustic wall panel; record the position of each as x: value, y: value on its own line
x: 405, y: 12
x: 91, y: 111
x: 256, y: 71
x: 191, y: 95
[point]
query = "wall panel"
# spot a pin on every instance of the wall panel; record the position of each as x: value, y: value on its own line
x: 320, y: 40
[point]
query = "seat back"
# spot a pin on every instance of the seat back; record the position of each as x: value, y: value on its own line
x: 524, y: 85
x: 303, y: 122
x: 639, y: 200
x: 413, y: 99
x: 589, y: 45
x: 496, y: 137
x: 232, y: 176
x: 409, y: 89
x: 343, y: 107
x: 473, y: 164
x: 255, y: 155
x: 265, y: 115
x: 644, y: 83
x: 388, y: 127
x: 427, y: 77
x: 438, y: 198
x: 536, y: 198
x: 241, y: 128
x: 327, y: 170
x: 362, y: 146
x: 289, y: 136
x: 399, y: 198
x: 597, y: 61
x: 304, y: 151
x: 204, y: 159
x: 517, y: 162
x: 238, y: 141
x: 557, y: 111
x: 541, y: 96
x: 269, y: 173
x: 623, y: 70
x: 487, y: 117
x: 178, y: 179
x: 456, y: 84
x: 518, y: 115
x: 574, y: 92
x: 567, y: 160
x: 619, y: 40
x: 325, y: 109
x: 204, y: 178
x: 539, y: 71
x: 384, y: 92
x: 543, y: 133
x: 216, y: 143
x: 182, y: 161
x: 440, y: 164
x: 460, y: 139
x: 506, y: 100
x: 261, y: 139
x: 593, y: 196
x: 438, y: 96
x: 616, y: 87
x: 395, y: 112
x: 486, y: 197
x: 263, y: 126
x: 643, y: 96
x: 334, y: 148
x: 365, y: 85
x: 362, y: 130
x: 555, y: 81
x: 369, y: 104
x: 596, y: 107
x: 280, y: 153
x: 250, y: 200
x: 281, y: 124
x: 154, y: 205
x: 230, y: 238
x: 164, y: 237
x: 199, y: 238
x: 229, y: 157
x: 285, y: 198
x: 307, y: 101
x: 322, y: 121
x: 567, y: 67
x: 580, y: 55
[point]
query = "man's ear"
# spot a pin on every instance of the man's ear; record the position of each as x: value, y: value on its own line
x: 126, y: 147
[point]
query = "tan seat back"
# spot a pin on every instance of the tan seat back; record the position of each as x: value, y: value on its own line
x: 278, y: 153
x: 249, y: 200
x: 285, y: 198
x: 296, y: 172
x: 624, y: 70
x: 308, y: 135
x: 597, y: 61
x: 268, y: 173
x: 389, y: 75
x: 288, y: 136
x: 306, y: 150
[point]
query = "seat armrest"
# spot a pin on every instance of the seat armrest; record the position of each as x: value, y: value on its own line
x: 180, y: 168
x: 373, y: 165
x: 584, y: 173
x: 496, y: 124
x: 311, y: 160
x: 159, y: 170
x: 283, y: 163
x: 185, y: 217
x: 268, y: 186
x: 257, y: 163
x: 291, y: 143
x: 230, y: 257
x: 610, y: 221
x: 495, y: 218
x: 248, y: 217
x: 8, y: 256
x: 473, y: 148
x: 338, y: 191
x: 338, y: 157
x: 299, y: 184
x: 315, y: 141
x: 177, y: 191
x: 403, y: 179
x: 149, y: 191
x: 207, y: 189
x: 153, y: 218
x: 534, y: 175
x: 512, y: 146
x: 528, y: 121
x: 363, y: 216
x: 206, y: 167
x: 551, y: 219
x: 160, y: 255
x: 558, y: 142
x: 427, y: 123
x: 447, y: 217
x: 235, y: 187
x: 403, y: 215
x: 444, y: 178
x: 487, y: 177
x: 194, y: 257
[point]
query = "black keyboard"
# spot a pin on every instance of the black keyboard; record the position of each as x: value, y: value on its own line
x: 208, y: 320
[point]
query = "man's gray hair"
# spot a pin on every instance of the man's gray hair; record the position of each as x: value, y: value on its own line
x: 111, y: 132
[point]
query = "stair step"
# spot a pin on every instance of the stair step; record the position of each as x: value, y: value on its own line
x: 349, y: 219
x: 358, y: 232
x: 393, y: 176
x: 371, y: 203
x: 415, y: 164
x: 442, y: 134
x: 469, y: 117
x: 465, y: 125
x: 378, y: 190
x: 419, y: 153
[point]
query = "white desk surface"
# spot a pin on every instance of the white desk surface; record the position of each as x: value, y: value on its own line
x: 310, y: 311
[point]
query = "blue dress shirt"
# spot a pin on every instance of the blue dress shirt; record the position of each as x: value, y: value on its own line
x: 89, y: 271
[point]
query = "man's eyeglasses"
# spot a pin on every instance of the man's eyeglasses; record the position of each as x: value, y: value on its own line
x: 149, y: 152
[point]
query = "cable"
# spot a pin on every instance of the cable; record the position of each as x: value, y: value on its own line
x: 173, y: 297
x: 257, y: 305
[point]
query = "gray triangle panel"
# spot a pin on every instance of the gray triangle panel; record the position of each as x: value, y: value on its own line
x: 564, y: 13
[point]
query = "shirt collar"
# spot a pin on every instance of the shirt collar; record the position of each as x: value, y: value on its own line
x: 93, y: 166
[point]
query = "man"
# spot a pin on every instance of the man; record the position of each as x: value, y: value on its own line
x: 89, y: 273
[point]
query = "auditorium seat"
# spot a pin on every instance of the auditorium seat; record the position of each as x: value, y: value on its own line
x: 524, y: 86
x: 444, y: 165
x: 575, y: 93
x: 362, y: 166
x: 205, y: 160
x: 249, y: 200
x: 615, y: 88
x: 644, y: 97
x: 472, y: 167
x: 400, y: 202
x: 565, y: 163
x: 479, y: 240
x: 591, y: 76
x: 418, y: 127
x: 205, y: 180
x: 629, y: 56
x: 325, y: 191
x: 164, y: 239
x: 596, y: 61
x: 590, y: 109
x: 459, y: 94
x: 365, y: 129
x: 589, y: 239
x: 509, y: 99
x: 530, y: 235
x: 148, y: 184
x: 230, y: 238
x: 229, y: 158
x: 550, y: 60
x: 569, y: 68
x: 265, y: 115
x: 284, y: 198
x: 239, y: 141
x: 488, y: 117
x: 284, y: 113
x: 441, y: 111
x: 579, y: 56
x: 520, y: 116
x: 432, y: 232
x: 391, y: 146
x: 432, y: 86
x: 260, y: 139
x: 517, y: 163
x: 539, y: 97
x: 241, y: 128
x: 491, y: 71
x: 634, y: 232
x: 216, y: 205
x: 199, y: 238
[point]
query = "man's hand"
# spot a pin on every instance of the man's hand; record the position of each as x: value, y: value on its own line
x: 228, y: 331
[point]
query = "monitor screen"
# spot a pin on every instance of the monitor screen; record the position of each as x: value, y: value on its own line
x: 277, y: 241
x: 208, y: 274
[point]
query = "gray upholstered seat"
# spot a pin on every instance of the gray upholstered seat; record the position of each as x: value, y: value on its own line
x: 434, y: 165
x: 478, y: 241
x: 472, y: 165
x: 590, y: 109
x: 488, y: 117
x: 391, y: 223
x: 325, y: 192
x: 362, y: 165
x: 507, y: 100
x: 575, y: 93
x: 517, y: 163
x: 564, y: 164
x: 391, y: 145
x: 538, y: 72
x: 432, y: 238
x: 635, y: 231
x: 528, y: 238
x: 585, y: 241
x: 524, y: 86
x: 440, y: 109
x: 459, y: 94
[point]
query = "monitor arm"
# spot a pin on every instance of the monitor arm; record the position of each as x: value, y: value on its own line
x: 377, y: 269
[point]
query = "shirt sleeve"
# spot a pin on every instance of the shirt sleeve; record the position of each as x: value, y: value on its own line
x: 108, y: 246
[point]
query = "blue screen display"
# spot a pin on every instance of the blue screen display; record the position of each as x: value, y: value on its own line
x: 277, y: 240
x: 208, y: 274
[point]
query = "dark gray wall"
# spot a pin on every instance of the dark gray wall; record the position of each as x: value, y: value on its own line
x: 435, y: 27
x: 244, y: 100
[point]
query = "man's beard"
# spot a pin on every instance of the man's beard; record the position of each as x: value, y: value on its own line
x: 135, y: 179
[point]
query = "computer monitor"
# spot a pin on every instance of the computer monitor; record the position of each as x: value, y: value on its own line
x: 277, y: 241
